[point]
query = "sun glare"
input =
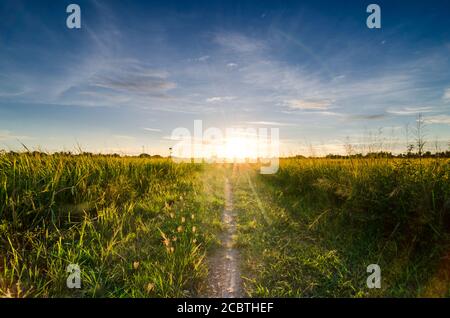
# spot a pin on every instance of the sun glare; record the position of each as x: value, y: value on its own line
x: 241, y: 148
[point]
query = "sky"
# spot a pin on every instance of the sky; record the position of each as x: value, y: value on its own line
x: 137, y: 70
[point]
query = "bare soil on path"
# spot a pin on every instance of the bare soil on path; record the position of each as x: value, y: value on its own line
x: 224, y: 274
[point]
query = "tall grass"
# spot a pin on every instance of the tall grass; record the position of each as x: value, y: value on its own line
x: 134, y: 226
x: 410, y: 196
x: 331, y: 218
x: 141, y: 227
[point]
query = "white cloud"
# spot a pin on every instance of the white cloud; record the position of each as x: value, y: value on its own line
x: 438, y: 119
x: 267, y: 123
x: 238, y: 42
x: 410, y: 110
x: 116, y: 82
x: 132, y: 78
x: 13, y: 94
x: 446, y: 96
x: 217, y: 99
x: 203, y: 58
x: 8, y: 135
x: 232, y: 65
x: 152, y: 129
x: 308, y: 104
x: 124, y: 137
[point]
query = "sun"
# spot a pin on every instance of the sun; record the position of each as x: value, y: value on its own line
x: 241, y: 148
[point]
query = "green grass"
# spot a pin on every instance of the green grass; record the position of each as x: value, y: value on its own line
x: 136, y: 227
x: 144, y: 227
x: 319, y: 223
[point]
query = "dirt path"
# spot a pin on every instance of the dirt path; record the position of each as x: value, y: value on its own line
x: 224, y: 274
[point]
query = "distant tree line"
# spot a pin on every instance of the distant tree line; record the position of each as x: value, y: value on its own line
x: 383, y: 154
x: 82, y: 154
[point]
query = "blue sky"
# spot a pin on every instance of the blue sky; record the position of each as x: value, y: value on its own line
x: 136, y: 70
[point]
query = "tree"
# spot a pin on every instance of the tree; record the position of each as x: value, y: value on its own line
x: 419, y: 133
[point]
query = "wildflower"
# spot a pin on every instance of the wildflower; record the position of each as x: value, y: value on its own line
x: 136, y: 265
x: 166, y: 242
x: 169, y: 204
x: 150, y: 287
x: 183, y: 219
x: 8, y: 294
x: 194, y: 240
x: 192, y: 216
x: 194, y: 229
x: 174, y: 238
x: 172, y: 215
x: 179, y: 229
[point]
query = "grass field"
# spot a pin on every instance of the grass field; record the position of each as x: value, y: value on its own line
x: 320, y: 223
x: 136, y: 227
x: 145, y: 227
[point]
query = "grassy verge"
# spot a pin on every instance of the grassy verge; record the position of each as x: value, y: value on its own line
x: 136, y: 227
x: 318, y: 223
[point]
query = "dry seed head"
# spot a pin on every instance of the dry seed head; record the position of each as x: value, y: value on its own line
x: 179, y: 229
x: 183, y: 219
x: 136, y: 265
x: 150, y: 287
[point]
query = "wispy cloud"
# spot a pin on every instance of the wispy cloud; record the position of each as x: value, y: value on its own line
x: 446, y: 96
x: 7, y: 94
x: 410, y: 110
x: 438, y: 119
x: 368, y: 116
x: 217, y: 99
x: 124, y: 137
x: 134, y: 83
x: 202, y: 58
x: 8, y: 135
x: 268, y: 123
x: 308, y: 104
x: 118, y: 82
x: 152, y: 129
x: 238, y: 42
